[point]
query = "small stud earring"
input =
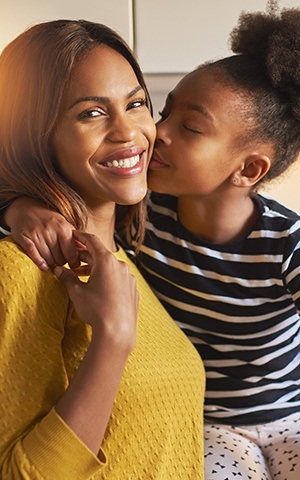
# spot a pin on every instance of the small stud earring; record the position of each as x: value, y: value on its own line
x: 235, y: 180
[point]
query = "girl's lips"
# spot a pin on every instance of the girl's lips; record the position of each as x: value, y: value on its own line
x: 156, y: 163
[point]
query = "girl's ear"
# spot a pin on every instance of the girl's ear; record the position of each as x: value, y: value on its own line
x: 254, y: 169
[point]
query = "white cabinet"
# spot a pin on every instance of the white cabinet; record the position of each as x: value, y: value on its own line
x: 16, y: 15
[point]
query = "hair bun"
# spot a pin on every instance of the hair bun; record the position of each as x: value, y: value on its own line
x: 251, y: 35
x: 283, y: 56
x: 273, y: 39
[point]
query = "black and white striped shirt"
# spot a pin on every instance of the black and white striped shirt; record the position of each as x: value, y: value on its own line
x: 239, y: 305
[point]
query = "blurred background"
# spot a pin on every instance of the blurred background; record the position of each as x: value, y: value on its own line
x: 169, y: 37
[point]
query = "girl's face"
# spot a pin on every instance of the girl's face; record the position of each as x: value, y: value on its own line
x: 105, y: 133
x: 194, y: 152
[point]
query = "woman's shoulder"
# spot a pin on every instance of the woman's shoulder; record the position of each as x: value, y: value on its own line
x: 28, y: 291
x: 10, y: 250
x: 18, y: 271
x: 14, y: 262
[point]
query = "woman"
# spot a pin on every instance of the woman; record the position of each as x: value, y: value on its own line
x: 90, y: 389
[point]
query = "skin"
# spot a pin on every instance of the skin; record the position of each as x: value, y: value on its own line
x: 103, y: 119
x: 194, y: 157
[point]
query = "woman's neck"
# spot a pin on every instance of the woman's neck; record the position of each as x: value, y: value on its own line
x: 101, y: 222
x: 217, y: 221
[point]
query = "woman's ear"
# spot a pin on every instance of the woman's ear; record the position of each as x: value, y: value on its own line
x: 254, y: 169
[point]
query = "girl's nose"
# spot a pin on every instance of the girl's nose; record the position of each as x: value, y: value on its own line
x: 163, y: 132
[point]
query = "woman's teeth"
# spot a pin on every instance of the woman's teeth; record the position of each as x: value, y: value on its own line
x: 125, y: 163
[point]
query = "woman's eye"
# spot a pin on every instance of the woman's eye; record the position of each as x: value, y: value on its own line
x: 137, y: 103
x: 92, y: 113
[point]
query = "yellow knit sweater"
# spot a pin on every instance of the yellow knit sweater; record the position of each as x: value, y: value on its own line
x: 155, y: 429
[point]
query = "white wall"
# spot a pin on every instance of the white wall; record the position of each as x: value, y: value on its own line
x: 174, y: 36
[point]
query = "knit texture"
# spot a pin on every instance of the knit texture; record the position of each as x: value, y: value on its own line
x: 155, y: 429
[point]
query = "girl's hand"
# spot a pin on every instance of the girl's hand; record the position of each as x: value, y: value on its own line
x: 109, y: 300
x: 44, y: 235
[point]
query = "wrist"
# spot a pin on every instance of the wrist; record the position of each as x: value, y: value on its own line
x: 4, y: 227
x: 4, y: 207
x: 112, y: 344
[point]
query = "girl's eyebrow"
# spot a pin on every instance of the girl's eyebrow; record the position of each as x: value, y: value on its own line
x: 200, y: 109
x: 195, y: 107
x: 92, y: 98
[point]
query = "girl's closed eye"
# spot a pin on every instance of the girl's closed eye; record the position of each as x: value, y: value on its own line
x: 192, y: 129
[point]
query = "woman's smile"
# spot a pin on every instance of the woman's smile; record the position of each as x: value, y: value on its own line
x: 126, y: 162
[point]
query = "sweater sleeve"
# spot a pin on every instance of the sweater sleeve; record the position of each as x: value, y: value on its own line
x: 35, y: 442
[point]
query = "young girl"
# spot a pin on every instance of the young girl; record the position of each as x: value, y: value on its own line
x: 223, y: 259
x: 113, y: 391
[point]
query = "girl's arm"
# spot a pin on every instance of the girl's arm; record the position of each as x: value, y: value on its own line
x: 44, y: 235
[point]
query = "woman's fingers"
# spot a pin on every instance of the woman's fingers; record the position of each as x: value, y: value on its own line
x: 109, y: 300
x: 68, y: 277
x: 89, y: 242
x: 83, y: 271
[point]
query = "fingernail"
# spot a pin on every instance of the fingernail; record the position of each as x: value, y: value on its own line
x: 58, y: 271
x: 43, y: 266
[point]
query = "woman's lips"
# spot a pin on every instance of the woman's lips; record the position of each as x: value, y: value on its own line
x: 127, y: 162
x: 127, y: 155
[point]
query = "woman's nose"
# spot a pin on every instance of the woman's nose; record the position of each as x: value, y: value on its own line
x: 122, y: 129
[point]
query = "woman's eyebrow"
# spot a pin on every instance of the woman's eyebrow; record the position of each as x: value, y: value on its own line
x: 92, y: 98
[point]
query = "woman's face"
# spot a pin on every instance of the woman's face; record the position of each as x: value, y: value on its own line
x: 194, y: 152
x: 105, y: 133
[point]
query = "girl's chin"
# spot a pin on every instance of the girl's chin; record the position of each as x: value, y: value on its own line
x: 156, y: 184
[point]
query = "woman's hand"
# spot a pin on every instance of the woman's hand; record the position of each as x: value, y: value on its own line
x: 109, y: 303
x: 45, y: 236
